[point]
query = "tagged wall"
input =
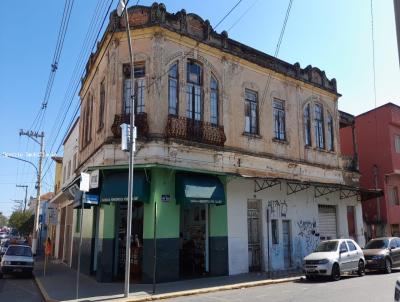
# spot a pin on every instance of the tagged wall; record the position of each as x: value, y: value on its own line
x: 298, y: 211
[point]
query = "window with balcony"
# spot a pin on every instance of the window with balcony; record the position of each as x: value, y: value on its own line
x: 194, y: 98
x: 173, y: 89
x: 394, y: 196
x: 319, y: 126
x: 251, y: 112
x: 397, y: 143
x: 214, y: 101
x: 307, y: 125
x: 139, y: 88
x: 330, y: 138
x: 279, y: 120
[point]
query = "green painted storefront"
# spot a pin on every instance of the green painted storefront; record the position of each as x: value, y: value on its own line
x: 162, y: 183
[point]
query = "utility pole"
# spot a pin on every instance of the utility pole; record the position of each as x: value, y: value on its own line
x: 26, y: 194
x: 122, y: 9
x: 396, y: 4
x: 34, y: 135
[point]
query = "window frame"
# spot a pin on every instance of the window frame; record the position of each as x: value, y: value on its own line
x: 279, y: 118
x: 194, y: 92
x: 139, y: 88
x: 319, y: 126
x: 397, y: 143
x: 214, y: 101
x: 173, y: 110
x: 102, y: 101
x: 331, y: 136
x: 307, y: 125
x: 253, y: 129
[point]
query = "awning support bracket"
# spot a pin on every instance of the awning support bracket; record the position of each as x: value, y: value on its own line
x: 294, y: 187
x: 266, y: 183
x: 324, y: 190
x: 346, y: 193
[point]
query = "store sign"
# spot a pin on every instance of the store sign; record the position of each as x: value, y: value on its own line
x: 94, y: 179
x: 85, y: 182
x: 165, y: 197
x: 92, y: 199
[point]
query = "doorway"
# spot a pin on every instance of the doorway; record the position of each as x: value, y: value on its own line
x: 253, y: 231
x: 286, y: 243
x: 136, y: 240
x: 193, y: 250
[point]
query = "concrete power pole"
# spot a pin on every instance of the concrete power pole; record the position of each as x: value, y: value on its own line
x: 34, y: 136
x: 26, y: 194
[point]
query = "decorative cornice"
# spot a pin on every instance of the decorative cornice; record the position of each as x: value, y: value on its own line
x: 193, y: 26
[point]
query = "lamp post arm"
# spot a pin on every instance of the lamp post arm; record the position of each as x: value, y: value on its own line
x: 24, y: 160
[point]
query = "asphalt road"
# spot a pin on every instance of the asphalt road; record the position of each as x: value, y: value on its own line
x: 372, y: 287
x: 19, y: 289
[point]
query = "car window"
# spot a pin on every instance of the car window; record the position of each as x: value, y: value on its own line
x: 393, y: 244
x: 377, y: 244
x: 397, y: 240
x: 327, y: 246
x: 343, y: 247
x: 351, y: 245
x: 17, y: 250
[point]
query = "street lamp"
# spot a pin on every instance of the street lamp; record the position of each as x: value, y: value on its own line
x: 37, y: 207
x: 121, y: 9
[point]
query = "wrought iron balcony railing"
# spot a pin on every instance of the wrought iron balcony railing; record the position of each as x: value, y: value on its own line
x: 140, y: 122
x: 187, y: 129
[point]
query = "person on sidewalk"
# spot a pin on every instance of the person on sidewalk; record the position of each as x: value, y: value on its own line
x: 48, y: 248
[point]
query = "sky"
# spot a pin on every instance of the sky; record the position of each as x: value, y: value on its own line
x: 334, y: 36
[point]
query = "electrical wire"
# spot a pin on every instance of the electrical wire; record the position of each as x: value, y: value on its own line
x: 227, y: 14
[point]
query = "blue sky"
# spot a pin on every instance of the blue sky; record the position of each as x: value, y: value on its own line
x: 332, y: 35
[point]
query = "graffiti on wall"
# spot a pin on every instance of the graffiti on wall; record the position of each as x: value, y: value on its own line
x: 306, y: 240
x: 277, y: 208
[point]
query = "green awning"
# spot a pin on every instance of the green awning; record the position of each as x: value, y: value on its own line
x: 114, y: 187
x: 198, y: 188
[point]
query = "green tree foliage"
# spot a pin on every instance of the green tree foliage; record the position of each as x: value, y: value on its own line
x: 3, y: 220
x: 22, y: 221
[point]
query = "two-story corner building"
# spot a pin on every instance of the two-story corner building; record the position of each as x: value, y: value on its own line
x: 236, y: 150
x: 377, y: 136
x: 65, y: 178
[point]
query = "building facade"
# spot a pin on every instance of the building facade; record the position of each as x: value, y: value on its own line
x: 377, y: 136
x: 237, y: 162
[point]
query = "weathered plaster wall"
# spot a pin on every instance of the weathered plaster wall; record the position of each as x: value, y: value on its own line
x: 301, y: 209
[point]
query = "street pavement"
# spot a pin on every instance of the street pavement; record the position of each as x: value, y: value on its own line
x: 19, y: 289
x: 372, y: 287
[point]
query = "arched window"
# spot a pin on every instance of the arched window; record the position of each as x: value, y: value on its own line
x: 330, y: 140
x: 319, y: 126
x: 307, y: 125
x: 194, y: 98
x: 173, y: 89
x: 214, y: 101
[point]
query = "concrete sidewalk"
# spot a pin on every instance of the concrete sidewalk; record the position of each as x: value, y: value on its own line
x: 59, y: 284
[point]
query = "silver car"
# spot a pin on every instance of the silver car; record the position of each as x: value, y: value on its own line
x: 18, y: 259
x: 332, y: 258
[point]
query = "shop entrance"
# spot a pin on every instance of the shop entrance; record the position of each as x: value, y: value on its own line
x: 136, y: 240
x: 193, y: 251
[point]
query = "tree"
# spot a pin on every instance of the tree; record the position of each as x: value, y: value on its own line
x: 22, y: 221
x: 3, y: 220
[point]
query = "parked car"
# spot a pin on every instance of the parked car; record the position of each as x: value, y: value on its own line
x: 382, y: 254
x: 3, y: 248
x: 397, y: 291
x: 18, y: 259
x: 3, y: 237
x: 332, y: 258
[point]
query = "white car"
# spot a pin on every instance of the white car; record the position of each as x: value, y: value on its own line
x: 18, y: 259
x: 332, y: 258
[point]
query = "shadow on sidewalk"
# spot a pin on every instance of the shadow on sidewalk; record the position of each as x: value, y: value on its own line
x: 60, y: 284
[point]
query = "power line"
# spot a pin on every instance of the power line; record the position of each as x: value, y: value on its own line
x: 242, y: 15
x: 227, y: 14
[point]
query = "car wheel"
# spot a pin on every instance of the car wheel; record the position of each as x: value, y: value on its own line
x: 309, y: 277
x: 388, y: 266
x: 335, y: 275
x: 361, y: 268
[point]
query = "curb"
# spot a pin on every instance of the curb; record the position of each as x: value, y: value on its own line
x: 43, y: 291
x: 210, y: 290
x: 183, y: 293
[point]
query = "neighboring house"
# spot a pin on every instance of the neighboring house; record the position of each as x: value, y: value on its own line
x: 65, y: 180
x: 377, y: 137
x: 238, y: 149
